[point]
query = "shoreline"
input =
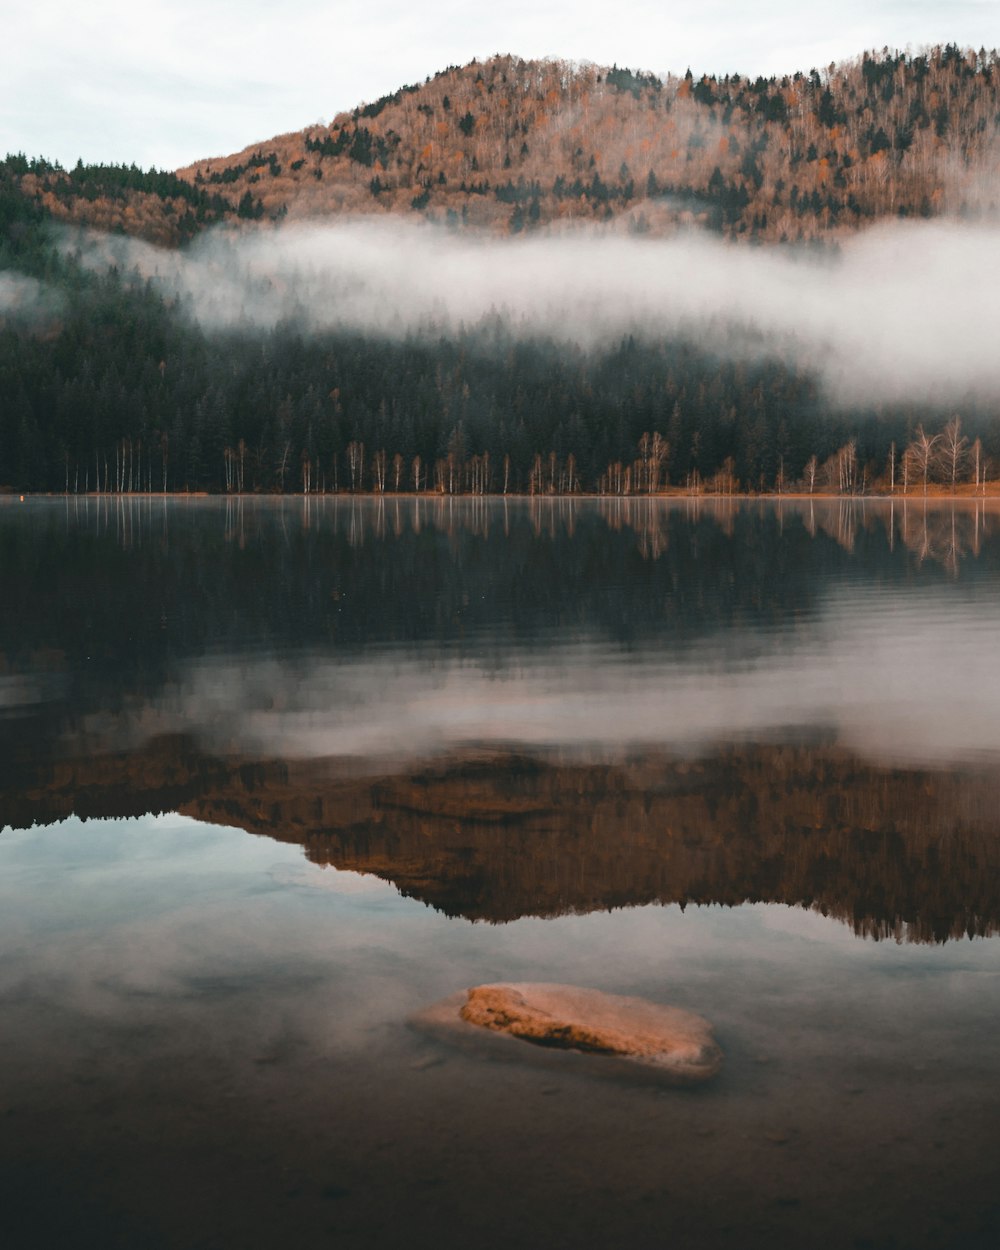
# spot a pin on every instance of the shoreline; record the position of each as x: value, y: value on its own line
x: 936, y: 496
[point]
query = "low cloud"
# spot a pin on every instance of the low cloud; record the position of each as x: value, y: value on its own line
x: 906, y: 311
x: 25, y: 299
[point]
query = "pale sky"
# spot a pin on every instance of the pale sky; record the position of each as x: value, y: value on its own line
x: 167, y: 82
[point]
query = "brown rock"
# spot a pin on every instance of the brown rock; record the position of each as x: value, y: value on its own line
x: 671, y: 1043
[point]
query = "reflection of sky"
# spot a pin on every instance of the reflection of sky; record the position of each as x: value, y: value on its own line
x: 182, y: 1000
x: 202, y: 935
x: 902, y: 676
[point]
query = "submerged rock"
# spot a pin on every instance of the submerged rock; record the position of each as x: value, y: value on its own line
x: 668, y: 1042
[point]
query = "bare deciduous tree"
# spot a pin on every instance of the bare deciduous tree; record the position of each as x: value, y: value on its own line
x: 953, y: 450
x: 918, y: 459
x: 379, y: 461
x: 356, y: 463
x: 979, y: 465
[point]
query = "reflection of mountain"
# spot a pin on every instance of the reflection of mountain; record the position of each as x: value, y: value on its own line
x: 892, y: 852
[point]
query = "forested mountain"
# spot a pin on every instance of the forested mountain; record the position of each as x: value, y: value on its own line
x: 511, y: 145
x: 107, y: 383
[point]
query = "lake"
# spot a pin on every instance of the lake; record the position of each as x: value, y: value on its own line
x: 278, y: 774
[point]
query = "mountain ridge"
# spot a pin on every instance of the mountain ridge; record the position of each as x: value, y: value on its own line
x: 508, y: 145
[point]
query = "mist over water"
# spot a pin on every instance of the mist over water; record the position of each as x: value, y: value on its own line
x: 902, y: 312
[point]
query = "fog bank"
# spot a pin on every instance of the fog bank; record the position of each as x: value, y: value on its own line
x: 907, y: 311
x: 23, y: 298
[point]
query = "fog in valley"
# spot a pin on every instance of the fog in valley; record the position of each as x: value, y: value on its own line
x: 902, y: 312
x: 25, y: 299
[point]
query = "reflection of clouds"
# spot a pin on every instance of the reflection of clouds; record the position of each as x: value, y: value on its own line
x: 808, y: 926
x: 918, y: 683
x: 176, y: 936
x: 179, y: 942
x: 906, y: 678
x: 308, y: 876
x: 19, y: 692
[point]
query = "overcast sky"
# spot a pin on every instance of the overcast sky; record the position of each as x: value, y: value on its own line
x: 167, y: 82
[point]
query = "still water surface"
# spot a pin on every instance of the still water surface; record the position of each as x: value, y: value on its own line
x: 736, y: 757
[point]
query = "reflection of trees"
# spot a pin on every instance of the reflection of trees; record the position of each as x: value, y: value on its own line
x: 943, y: 535
x: 648, y: 519
x: 126, y: 588
x: 941, y: 532
x: 913, y: 855
x: 839, y: 519
x: 908, y: 854
x: 933, y: 529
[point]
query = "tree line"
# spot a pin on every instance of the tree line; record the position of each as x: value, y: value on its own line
x: 126, y: 396
x: 115, y: 389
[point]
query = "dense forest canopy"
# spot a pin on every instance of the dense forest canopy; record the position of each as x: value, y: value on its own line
x: 108, y: 383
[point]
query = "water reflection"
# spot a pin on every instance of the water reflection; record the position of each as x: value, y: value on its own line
x: 943, y: 530
x: 133, y: 585
x: 542, y: 714
x: 895, y: 679
x: 325, y: 669
x: 901, y: 853
x: 185, y: 1010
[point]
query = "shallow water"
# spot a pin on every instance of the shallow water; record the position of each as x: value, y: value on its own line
x: 604, y: 726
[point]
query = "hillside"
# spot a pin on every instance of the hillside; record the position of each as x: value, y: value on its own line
x: 510, y: 145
